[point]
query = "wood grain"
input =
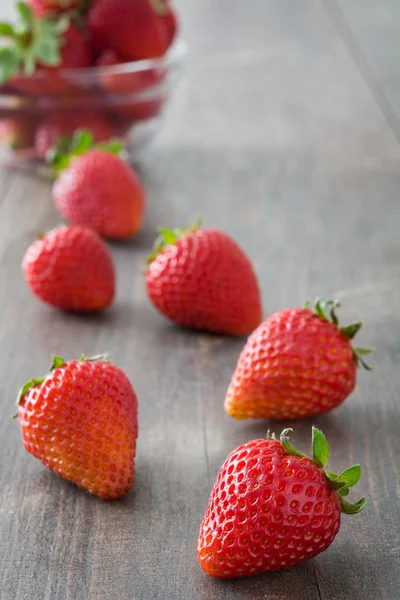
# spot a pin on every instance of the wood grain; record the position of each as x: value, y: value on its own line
x: 308, y: 184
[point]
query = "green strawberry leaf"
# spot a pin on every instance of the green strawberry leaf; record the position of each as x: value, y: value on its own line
x: 27, y: 386
x: 8, y: 64
x: 320, y: 448
x: 57, y: 362
x: 350, y: 476
x: 168, y: 237
x: 25, y: 13
x: 352, y: 509
x: 339, y: 483
x: 288, y: 446
x: 6, y: 30
x: 66, y: 148
x: 321, y: 308
x: 351, y: 330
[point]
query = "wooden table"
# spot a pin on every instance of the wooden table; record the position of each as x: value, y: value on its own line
x: 285, y: 133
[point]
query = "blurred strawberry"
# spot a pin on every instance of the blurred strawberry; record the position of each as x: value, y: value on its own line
x: 170, y: 21
x: 64, y: 125
x: 132, y: 28
x: 18, y: 134
x: 96, y: 188
x: 43, y: 45
x: 44, y: 7
x: 72, y: 269
x: 136, y: 94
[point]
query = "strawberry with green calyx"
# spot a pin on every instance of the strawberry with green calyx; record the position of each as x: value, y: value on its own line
x: 45, y: 44
x: 298, y: 363
x: 80, y: 421
x: 97, y: 188
x: 65, y: 125
x: 66, y: 148
x: 272, y: 507
x: 202, y: 279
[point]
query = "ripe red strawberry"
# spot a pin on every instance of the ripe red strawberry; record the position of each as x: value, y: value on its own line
x: 132, y: 28
x: 201, y: 278
x: 296, y: 364
x: 65, y: 125
x: 44, y: 7
x: 18, y: 134
x: 101, y: 191
x: 273, y: 508
x: 80, y: 421
x: 72, y: 269
x: 137, y: 96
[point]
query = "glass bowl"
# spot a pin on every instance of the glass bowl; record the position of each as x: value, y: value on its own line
x: 125, y: 101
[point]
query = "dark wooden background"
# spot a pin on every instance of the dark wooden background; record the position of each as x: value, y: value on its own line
x: 285, y: 133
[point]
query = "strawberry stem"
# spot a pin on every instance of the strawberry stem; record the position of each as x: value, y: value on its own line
x: 339, y: 483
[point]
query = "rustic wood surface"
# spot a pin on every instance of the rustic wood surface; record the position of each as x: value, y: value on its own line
x: 285, y: 133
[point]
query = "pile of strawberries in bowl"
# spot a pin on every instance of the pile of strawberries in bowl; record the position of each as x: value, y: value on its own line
x: 107, y: 66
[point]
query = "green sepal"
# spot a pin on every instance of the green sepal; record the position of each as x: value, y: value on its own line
x: 350, y: 331
x: 9, y: 64
x: 290, y: 449
x: 24, y: 12
x: 326, y: 310
x: 27, y: 386
x: 168, y: 237
x: 31, y: 41
x: 338, y: 483
x: 352, y: 509
x: 350, y: 476
x: 320, y: 448
x: 66, y: 148
x: 57, y: 363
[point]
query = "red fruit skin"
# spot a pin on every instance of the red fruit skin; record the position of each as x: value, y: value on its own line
x: 70, y: 268
x: 76, y: 53
x: 267, y: 511
x: 18, y: 134
x: 42, y: 8
x: 205, y: 281
x: 132, y: 29
x: 295, y: 365
x: 127, y: 88
x: 101, y: 191
x: 66, y: 124
x: 81, y: 423
x: 171, y: 25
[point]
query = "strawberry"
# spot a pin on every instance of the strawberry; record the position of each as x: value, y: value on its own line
x: 18, y: 134
x: 272, y: 508
x: 132, y: 28
x: 98, y: 189
x: 296, y: 364
x: 170, y: 21
x: 72, y: 269
x: 44, y: 44
x: 42, y: 8
x: 201, y: 278
x: 64, y: 125
x: 137, y: 95
x: 80, y: 421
